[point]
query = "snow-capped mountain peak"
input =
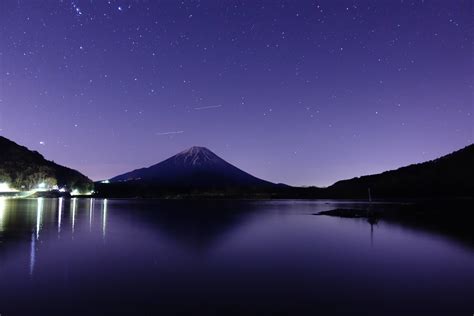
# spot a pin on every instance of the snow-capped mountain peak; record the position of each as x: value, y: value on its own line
x: 196, y: 156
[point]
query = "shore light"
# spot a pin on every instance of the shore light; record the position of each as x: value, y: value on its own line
x: 5, y: 187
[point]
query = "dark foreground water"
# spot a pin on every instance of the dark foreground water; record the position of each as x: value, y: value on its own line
x: 96, y: 257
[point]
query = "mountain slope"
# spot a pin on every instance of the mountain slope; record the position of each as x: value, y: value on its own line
x: 196, y: 167
x: 450, y: 175
x: 25, y: 169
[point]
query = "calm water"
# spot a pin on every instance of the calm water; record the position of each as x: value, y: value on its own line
x: 119, y: 257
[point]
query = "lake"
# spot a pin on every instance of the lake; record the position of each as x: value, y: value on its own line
x: 136, y: 257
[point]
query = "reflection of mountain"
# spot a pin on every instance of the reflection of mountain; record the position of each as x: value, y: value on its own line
x: 451, y: 218
x: 194, y: 224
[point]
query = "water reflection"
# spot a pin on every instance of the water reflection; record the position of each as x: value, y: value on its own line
x: 91, y: 212
x: 104, y: 216
x: 197, y: 226
x: 32, y: 253
x: 60, y: 211
x: 252, y: 256
x: 39, y: 213
x: 2, y: 212
x: 30, y: 222
x: 74, y: 208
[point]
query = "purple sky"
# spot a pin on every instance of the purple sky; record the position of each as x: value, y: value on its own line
x: 301, y: 92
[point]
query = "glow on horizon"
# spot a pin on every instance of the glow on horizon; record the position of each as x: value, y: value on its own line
x: 76, y: 192
x: 5, y: 187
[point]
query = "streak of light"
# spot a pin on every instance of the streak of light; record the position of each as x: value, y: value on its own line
x: 169, y: 133
x: 32, y: 253
x: 60, y: 211
x: 3, y: 207
x: 39, y: 213
x: 104, y: 217
x: 91, y: 212
x: 208, y: 107
x: 74, y: 207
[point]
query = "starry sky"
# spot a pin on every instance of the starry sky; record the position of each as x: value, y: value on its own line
x: 300, y: 92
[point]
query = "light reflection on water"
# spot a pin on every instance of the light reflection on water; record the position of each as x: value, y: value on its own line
x: 74, y: 208
x: 39, y: 212
x: 229, y: 256
x: 2, y: 211
x: 54, y: 205
x: 60, y: 212
x: 104, y: 216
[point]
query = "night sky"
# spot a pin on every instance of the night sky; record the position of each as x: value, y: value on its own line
x: 301, y: 92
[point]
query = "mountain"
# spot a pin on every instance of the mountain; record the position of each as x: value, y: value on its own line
x: 449, y: 176
x: 194, y: 169
x: 199, y: 172
x: 26, y: 169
